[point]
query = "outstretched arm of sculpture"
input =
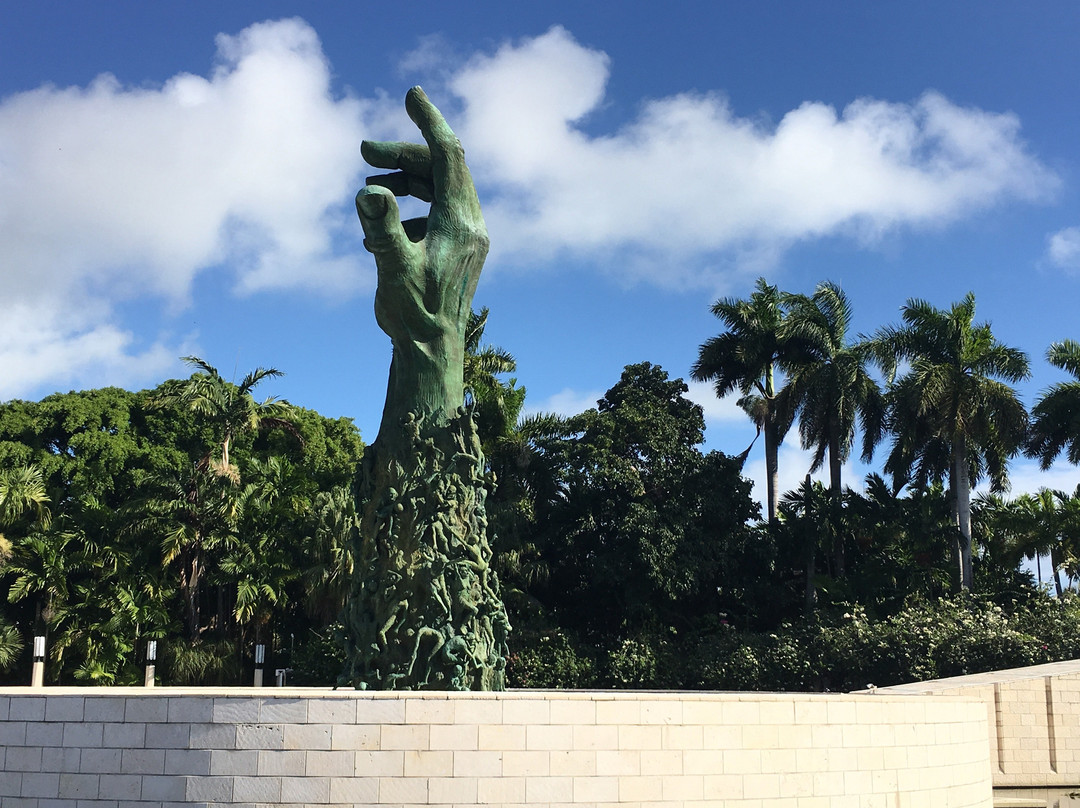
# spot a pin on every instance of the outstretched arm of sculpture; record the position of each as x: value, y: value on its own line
x: 428, y: 268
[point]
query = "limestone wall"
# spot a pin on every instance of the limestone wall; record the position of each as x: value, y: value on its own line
x: 1035, y: 713
x: 131, y: 748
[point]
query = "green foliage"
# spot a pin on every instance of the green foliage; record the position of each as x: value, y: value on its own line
x: 496, y: 404
x: 23, y: 493
x: 635, y: 521
x: 229, y: 410
x: 318, y: 659
x: 928, y: 639
x: 829, y: 384
x: 1055, y: 419
x: 550, y: 659
x: 624, y: 534
x: 133, y: 509
x: 627, y: 557
x: 11, y: 645
x: 201, y: 663
x: 953, y: 413
x: 746, y: 357
x: 647, y: 660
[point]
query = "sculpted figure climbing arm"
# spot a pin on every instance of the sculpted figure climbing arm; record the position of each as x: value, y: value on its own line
x: 428, y: 268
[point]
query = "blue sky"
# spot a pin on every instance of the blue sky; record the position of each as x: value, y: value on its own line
x: 177, y: 178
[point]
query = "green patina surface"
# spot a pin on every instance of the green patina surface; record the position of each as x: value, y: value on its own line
x: 425, y: 610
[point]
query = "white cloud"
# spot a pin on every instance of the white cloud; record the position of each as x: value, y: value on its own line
x: 1025, y: 477
x: 114, y: 193
x: 1063, y: 249
x: 566, y: 402
x: 717, y: 410
x: 111, y: 192
x: 36, y: 340
x: 687, y: 178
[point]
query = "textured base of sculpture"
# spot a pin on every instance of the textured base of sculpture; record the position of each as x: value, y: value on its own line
x: 425, y: 611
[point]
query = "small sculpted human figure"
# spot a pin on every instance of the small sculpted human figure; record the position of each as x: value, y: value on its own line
x: 425, y: 610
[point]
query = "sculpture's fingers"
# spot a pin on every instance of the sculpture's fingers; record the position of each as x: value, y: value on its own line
x: 384, y: 235
x: 414, y: 158
x: 401, y: 183
x: 415, y: 229
x: 452, y: 181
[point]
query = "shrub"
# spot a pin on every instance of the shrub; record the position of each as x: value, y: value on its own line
x: 318, y: 659
x: 549, y: 659
x: 204, y: 662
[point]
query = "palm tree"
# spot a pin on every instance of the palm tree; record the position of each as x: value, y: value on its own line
x: 812, y: 518
x: 529, y: 483
x: 328, y: 559
x: 1043, y: 523
x: 830, y: 388
x: 231, y: 409
x: 191, y: 515
x: 260, y: 563
x: 1035, y: 525
x: 23, y: 489
x: 953, y: 413
x: 900, y: 539
x: 746, y: 358
x: 44, y: 564
x: 1055, y: 420
x: 496, y: 403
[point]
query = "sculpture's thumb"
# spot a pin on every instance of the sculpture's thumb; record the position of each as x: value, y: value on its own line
x: 381, y: 219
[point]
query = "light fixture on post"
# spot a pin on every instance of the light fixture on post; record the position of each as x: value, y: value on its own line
x: 37, y: 676
x: 260, y: 658
x: 151, y: 659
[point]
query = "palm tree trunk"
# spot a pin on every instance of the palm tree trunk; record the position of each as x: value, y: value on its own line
x: 772, y: 446
x: 811, y: 567
x: 835, y: 481
x: 222, y: 629
x: 834, y: 510
x: 772, y: 467
x: 192, y: 595
x: 960, y: 483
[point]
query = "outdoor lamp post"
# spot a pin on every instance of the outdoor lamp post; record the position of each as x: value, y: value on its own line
x: 260, y: 658
x: 151, y: 659
x: 37, y: 676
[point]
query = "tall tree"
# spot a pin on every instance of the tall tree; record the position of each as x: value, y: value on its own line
x: 328, y: 560
x: 954, y: 412
x: 746, y: 358
x: 191, y: 514
x: 231, y: 409
x: 22, y: 492
x: 496, y: 403
x: 636, y: 530
x: 1055, y: 420
x: 830, y: 389
x: 1035, y: 525
x: 260, y: 564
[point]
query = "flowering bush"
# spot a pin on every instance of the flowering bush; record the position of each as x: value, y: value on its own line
x: 838, y: 650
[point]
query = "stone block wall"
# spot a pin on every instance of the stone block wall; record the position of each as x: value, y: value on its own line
x: 134, y: 748
x: 1034, y: 714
